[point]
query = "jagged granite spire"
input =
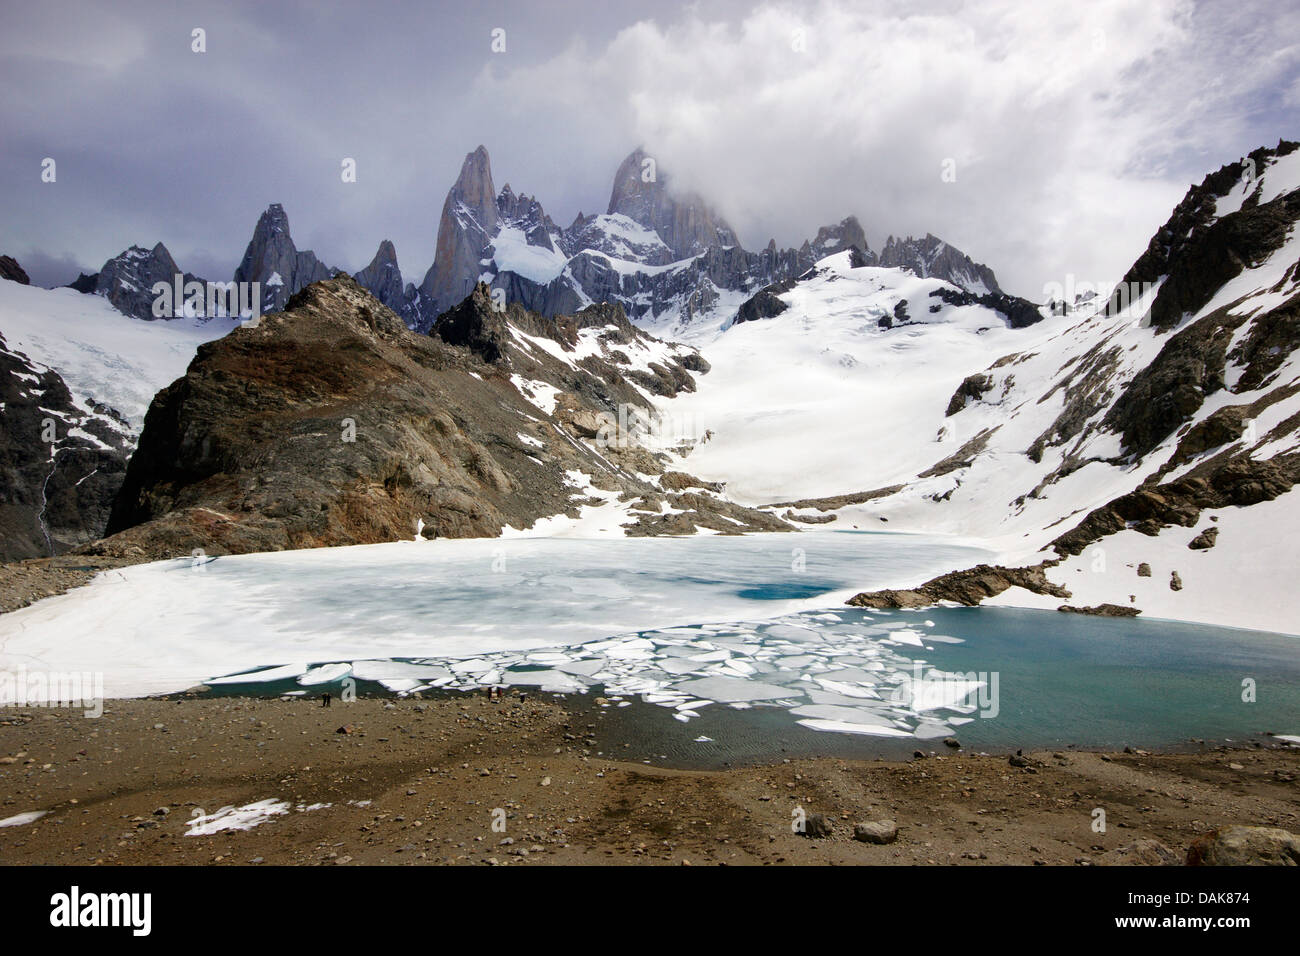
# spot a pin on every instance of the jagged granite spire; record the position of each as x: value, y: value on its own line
x: 685, y: 223
x: 383, y: 278
x: 273, y: 260
x: 465, y: 231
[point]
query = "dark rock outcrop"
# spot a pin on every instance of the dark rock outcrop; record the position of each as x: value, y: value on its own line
x: 61, y: 461
x: 1152, y: 507
x: 11, y: 270
x: 127, y: 281
x: 762, y: 305
x: 971, y: 389
x: 1199, y: 251
x: 1102, y: 610
x: 84, y: 282
x: 931, y: 257
x: 1019, y: 313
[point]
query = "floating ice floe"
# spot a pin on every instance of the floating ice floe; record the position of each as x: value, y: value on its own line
x: 840, y: 672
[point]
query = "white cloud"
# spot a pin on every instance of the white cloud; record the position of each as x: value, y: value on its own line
x: 1071, y: 124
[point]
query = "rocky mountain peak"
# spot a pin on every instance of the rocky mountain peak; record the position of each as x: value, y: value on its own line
x: 273, y: 260
x: 474, y: 324
x: 127, y: 280
x: 931, y: 257
x: 846, y: 234
x: 474, y: 190
x: 469, y: 222
x: 685, y: 223
x: 11, y: 270
x: 383, y: 278
x: 1219, y: 226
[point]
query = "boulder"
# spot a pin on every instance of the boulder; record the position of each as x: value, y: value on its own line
x: 1245, y: 846
x: 816, y: 826
x: 1142, y: 852
x: 879, y: 832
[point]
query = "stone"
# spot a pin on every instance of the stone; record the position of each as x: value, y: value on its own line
x: 272, y: 259
x: 817, y: 826
x: 1245, y: 846
x: 1142, y: 852
x: 879, y: 832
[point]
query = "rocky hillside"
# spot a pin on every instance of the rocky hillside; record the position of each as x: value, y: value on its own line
x: 12, y: 271
x: 61, y: 461
x: 331, y: 423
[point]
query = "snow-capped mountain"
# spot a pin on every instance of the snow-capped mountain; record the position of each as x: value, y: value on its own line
x: 1157, y: 426
x: 670, y: 260
x: 127, y: 280
x: 932, y: 256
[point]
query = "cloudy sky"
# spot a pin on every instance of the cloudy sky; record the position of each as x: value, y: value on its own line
x: 1072, y: 128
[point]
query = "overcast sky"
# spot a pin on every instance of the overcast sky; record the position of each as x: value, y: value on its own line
x: 1073, y: 128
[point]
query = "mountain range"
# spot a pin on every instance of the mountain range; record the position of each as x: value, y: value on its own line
x: 669, y: 259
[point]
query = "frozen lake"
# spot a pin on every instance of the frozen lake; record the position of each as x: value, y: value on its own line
x: 697, y: 627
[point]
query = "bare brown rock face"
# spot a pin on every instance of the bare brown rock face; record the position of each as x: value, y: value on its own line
x: 11, y: 270
x: 968, y: 587
x: 331, y: 423
x: 1102, y: 610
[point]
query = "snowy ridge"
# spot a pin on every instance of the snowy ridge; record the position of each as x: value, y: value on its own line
x: 103, y: 355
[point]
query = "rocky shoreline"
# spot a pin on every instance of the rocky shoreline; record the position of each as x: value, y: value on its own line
x: 467, y: 779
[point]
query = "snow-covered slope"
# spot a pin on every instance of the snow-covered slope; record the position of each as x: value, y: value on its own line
x: 1179, y: 406
x: 103, y: 355
x: 824, y: 399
